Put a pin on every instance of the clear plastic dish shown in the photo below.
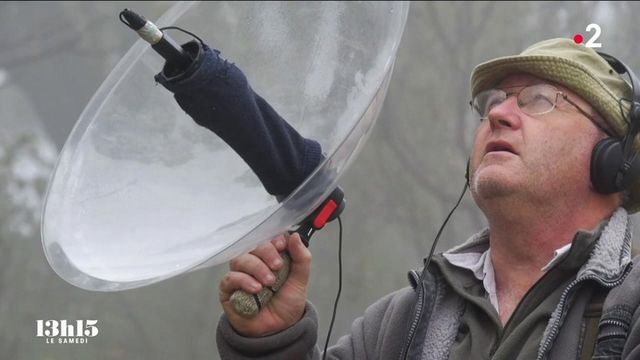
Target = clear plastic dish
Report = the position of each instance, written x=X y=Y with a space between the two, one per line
x=142 y=193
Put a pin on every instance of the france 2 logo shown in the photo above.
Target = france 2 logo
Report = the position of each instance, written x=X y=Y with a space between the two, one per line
x=591 y=43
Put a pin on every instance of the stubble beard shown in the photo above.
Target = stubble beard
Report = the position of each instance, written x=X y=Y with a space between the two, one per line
x=489 y=187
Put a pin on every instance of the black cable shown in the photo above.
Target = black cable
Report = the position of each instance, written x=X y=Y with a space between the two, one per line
x=435 y=242
x=183 y=30
x=121 y=16
x=335 y=304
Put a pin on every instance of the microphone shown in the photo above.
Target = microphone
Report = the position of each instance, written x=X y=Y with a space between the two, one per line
x=216 y=95
x=160 y=42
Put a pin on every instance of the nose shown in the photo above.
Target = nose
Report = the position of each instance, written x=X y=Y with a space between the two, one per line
x=505 y=115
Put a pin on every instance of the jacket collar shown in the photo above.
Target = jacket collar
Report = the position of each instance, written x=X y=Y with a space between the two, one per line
x=612 y=252
x=608 y=259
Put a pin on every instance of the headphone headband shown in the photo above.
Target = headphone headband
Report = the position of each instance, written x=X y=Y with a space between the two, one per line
x=614 y=164
x=634 y=114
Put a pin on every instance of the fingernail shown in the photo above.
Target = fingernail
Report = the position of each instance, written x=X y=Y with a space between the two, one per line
x=277 y=262
x=270 y=278
x=255 y=287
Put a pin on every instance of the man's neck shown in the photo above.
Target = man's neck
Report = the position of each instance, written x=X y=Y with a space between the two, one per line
x=523 y=241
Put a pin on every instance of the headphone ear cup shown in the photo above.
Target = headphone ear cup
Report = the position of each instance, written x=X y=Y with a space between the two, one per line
x=606 y=162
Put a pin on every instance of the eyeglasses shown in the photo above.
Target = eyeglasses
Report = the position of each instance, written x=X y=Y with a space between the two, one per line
x=532 y=100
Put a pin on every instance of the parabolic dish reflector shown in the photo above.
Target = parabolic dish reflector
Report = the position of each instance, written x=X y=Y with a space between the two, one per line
x=142 y=193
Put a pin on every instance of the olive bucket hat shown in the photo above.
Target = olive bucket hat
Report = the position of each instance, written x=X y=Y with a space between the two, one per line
x=578 y=68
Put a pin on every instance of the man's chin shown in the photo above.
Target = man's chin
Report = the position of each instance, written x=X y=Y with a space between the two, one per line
x=488 y=187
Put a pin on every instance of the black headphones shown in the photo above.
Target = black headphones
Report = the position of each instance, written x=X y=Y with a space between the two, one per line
x=615 y=166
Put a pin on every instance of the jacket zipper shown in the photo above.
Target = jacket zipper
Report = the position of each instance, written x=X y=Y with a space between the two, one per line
x=416 y=319
x=563 y=298
x=614 y=322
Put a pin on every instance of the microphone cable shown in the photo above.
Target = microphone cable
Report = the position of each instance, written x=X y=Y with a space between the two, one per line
x=426 y=262
x=335 y=304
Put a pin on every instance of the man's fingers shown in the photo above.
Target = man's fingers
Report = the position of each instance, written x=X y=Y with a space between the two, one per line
x=280 y=242
x=234 y=280
x=269 y=254
x=300 y=259
x=252 y=271
x=255 y=267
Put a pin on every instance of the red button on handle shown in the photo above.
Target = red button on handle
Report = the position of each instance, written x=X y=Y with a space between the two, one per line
x=325 y=214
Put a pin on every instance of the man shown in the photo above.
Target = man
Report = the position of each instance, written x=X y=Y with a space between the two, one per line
x=523 y=287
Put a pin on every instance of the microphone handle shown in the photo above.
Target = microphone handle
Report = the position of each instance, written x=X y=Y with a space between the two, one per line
x=173 y=53
x=249 y=305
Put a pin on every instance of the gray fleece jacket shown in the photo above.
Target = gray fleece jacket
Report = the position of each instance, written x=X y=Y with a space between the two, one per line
x=446 y=314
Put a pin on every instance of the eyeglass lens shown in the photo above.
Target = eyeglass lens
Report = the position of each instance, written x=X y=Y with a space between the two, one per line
x=532 y=100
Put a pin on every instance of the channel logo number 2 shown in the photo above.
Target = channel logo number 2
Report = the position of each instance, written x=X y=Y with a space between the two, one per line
x=591 y=43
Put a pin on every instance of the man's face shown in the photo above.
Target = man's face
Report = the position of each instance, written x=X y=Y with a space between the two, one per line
x=540 y=158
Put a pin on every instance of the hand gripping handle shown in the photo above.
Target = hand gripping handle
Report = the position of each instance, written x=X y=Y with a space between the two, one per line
x=249 y=305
